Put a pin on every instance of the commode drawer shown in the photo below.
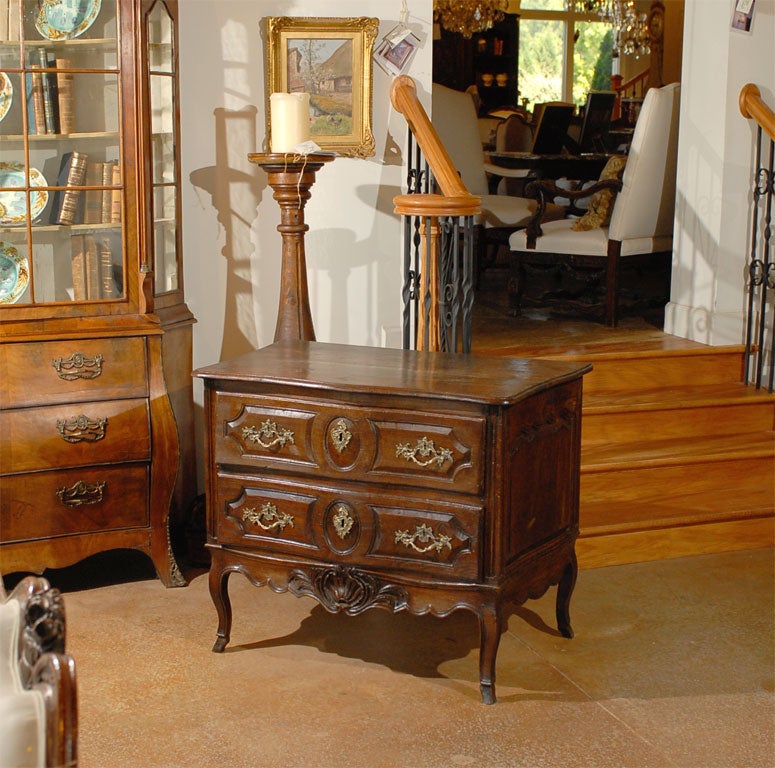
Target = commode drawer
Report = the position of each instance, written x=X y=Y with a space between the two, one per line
x=72 y=371
x=386 y=531
x=422 y=449
x=74 y=435
x=61 y=503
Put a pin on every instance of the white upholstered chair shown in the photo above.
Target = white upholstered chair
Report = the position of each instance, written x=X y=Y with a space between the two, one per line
x=641 y=223
x=38 y=711
x=454 y=118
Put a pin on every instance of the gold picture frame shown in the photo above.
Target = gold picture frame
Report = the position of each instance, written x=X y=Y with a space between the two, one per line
x=330 y=58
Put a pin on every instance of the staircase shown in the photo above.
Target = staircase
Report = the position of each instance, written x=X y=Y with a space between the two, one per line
x=678 y=456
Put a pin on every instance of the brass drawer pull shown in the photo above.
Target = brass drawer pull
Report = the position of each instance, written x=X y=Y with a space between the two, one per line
x=82 y=429
x=268 y=512
x=427 y=452
x=269 y=435
x=81 y=493
x=425 y=535
x=78 y=366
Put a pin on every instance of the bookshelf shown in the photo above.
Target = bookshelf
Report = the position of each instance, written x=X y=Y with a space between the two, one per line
x=488 y=60
x=93 y=319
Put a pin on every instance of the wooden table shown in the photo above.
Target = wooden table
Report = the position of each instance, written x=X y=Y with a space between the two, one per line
x=584 y=167
x=419 y=481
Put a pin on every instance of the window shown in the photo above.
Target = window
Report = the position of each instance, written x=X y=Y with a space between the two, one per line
x=563 y=54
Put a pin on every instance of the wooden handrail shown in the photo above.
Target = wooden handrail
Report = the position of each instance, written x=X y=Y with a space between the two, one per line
x=752 y=106
x=618 y=85
x=403 y=96
x=621 y=88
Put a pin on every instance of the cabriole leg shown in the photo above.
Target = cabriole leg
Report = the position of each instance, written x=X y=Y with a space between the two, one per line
x=564 y=592
x=219 y=592
x=490 y=635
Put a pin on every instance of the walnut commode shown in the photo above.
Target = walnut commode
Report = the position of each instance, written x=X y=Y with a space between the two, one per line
x=409 y=480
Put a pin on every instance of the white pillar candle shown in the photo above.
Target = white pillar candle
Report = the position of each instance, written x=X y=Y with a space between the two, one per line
x=289 y=114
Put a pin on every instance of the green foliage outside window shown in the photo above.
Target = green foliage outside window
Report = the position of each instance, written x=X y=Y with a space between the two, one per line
x=592 y=60
x=541 y=44
x=542 y=56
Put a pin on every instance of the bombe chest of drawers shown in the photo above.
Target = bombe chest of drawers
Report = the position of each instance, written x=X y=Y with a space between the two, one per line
x=417 y=481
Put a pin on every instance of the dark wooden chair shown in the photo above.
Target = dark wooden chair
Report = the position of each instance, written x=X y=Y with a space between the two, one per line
x=38 y=701
x=583 y=268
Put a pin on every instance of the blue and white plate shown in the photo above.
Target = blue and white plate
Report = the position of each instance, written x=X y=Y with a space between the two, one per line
x=6 y=94
x=66 y=19
x=13 y=202
x=14 y=274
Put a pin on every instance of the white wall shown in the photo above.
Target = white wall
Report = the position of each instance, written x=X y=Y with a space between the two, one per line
x=231 y=246
x=715 y=168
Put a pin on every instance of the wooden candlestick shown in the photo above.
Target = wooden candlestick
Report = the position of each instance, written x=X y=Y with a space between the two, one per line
x=291 y=176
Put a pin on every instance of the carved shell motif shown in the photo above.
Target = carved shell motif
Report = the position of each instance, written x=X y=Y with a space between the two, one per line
x=346 y=589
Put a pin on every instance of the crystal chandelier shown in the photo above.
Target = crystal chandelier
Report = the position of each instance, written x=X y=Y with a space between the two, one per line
x=631 y=32
x=468 y=16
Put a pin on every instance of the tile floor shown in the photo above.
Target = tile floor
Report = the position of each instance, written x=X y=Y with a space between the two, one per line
x=672 y=666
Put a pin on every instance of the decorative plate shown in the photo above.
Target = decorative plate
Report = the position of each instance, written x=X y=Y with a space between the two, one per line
x=13 y=202
x=6 y=94
x=66 y=19
x=14 y=274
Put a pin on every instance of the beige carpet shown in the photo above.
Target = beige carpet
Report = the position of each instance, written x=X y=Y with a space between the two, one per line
x=672 y=666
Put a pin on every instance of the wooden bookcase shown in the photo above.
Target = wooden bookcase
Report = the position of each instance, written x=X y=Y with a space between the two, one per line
x=460 y=62
x=96 y=407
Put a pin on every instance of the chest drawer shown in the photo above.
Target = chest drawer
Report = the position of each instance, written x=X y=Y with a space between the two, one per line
x=110 y=431
x=353 y=527
x=415 y=448
x=72 y=371
x=66 y=502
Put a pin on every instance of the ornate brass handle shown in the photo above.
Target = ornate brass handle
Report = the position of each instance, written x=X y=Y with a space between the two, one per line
x=268 y=435
x=268 y=513
x=82 y=429
x=427 y=452
x=78 y=366
x=425 y=535
x=81 y=493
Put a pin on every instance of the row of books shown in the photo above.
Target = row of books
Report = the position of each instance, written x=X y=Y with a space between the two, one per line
x=87 y=206
x=50 y=95
x=94 y=275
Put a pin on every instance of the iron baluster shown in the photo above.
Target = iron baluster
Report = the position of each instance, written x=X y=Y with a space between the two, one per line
x=761 y=273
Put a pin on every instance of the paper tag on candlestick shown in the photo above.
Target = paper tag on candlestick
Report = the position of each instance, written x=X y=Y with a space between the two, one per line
x=306 y=148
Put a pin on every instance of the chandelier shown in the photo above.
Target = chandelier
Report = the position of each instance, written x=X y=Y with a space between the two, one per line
x=468 y=16
x=631 y=32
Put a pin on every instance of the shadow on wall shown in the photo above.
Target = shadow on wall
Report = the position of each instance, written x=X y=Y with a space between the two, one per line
x=235 y=188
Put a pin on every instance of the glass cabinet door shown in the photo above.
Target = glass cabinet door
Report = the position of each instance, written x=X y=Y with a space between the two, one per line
x=61 y=193
x=162 y=93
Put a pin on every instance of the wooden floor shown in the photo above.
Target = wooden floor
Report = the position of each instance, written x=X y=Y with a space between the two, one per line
x=538 y=332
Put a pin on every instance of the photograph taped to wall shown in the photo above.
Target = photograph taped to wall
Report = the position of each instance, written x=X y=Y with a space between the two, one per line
x=395 y=51
x=329 y=58
x=743 y=15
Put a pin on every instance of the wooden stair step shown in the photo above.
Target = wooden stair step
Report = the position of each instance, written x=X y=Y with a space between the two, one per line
x=723 y=481
x=625 y=366
x=637 y=372
x=685 y=396
x=605 y=457
x=681 y=508
x=597 y=551
x=671 y=412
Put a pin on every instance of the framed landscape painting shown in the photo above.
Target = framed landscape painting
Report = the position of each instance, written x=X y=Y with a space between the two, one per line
x=329 y=58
